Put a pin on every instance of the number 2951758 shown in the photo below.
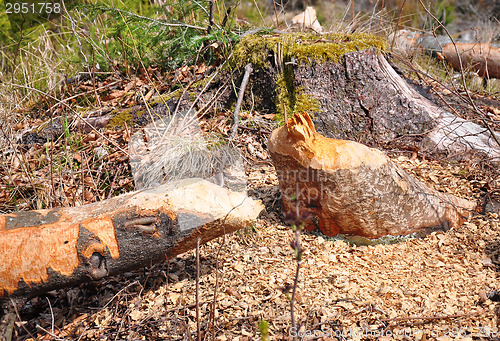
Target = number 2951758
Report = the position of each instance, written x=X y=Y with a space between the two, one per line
x=33 y=8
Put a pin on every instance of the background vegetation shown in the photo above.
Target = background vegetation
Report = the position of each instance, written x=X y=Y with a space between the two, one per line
x=43 y=56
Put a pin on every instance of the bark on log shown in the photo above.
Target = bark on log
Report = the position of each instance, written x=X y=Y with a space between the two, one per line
x=365 y=100
x=353 y=189
x=46 y=249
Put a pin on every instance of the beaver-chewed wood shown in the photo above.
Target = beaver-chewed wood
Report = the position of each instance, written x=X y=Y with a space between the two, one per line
x=46 y=249
x=353 y=189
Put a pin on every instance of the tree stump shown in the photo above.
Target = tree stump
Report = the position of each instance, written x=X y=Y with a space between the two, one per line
x=353 y=189
x=353 y=93
x=365 y=100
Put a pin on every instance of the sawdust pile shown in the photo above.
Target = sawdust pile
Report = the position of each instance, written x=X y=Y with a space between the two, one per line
x=438 y=287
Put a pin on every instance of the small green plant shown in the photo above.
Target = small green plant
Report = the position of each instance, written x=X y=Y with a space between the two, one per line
x=171 y=36
x=264 y=330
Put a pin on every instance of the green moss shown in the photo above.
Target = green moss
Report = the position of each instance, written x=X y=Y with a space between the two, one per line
x=201 y=82
x=293 y=98
x=164 y=98
x=119 y=120
x=304 y=47
x=294 y=48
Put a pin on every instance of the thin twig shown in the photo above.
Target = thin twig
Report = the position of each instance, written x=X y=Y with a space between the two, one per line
x=298 y=258
x=380 y=16
x=163 y=23
x=212 y=317
x=295 y=281
x=284 y=110
x=397 y=24
x=14 y=305
x=51 y=315
x=210 y=16
x=198 y=329
x=212 y=77
x=51 y=334
x=276 y=14
x=212 y=311
x=9 y=329
x=352 y=10
x=244 y=82
x=51 y=164
x=119 y=292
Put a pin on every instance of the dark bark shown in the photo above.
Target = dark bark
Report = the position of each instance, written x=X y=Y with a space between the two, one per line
x=46 y=249
x=360 y=102
x=363 y=99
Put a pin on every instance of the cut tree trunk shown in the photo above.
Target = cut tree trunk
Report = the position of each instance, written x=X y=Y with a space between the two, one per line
x=46 y=249
x=359 y=96
x=365 y=100
x=353 y=189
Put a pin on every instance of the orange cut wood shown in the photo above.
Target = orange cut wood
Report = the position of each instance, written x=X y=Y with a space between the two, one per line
x=46 y=249
x=353 y=189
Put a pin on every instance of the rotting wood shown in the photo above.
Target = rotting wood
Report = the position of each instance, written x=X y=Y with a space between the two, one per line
x=46 y=249
x=353 y=189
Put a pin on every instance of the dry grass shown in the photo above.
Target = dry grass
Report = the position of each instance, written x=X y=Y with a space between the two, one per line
x=176 y=148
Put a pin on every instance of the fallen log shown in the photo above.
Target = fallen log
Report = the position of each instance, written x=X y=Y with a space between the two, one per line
x=352 y=189
x=46 y=249
x=481 y=57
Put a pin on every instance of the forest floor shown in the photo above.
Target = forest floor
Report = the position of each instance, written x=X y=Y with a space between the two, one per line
x=444 y=286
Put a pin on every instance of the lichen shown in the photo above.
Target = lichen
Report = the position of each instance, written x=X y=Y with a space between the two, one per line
x=305 y=47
